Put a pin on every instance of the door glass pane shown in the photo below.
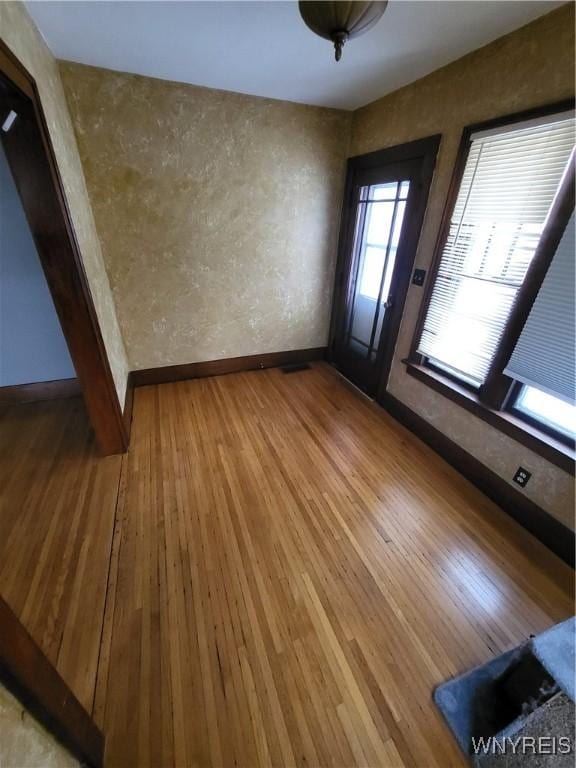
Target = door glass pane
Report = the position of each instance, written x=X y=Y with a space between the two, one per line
x=378 y=226
x=372 y=271
x=378 y=223
x=364 y=310
x=388 y=273
x=404 y=187
x=384 y=191
x=393 y=248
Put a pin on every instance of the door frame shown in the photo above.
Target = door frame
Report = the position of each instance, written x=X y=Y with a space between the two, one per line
x=33 y=165
x=30 y=676
x=425 y=150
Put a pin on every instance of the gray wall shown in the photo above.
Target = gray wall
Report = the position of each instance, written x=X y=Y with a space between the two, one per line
x=32 y=346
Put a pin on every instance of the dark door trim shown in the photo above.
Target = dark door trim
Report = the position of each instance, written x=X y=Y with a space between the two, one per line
x=28 y=674
x=424 y=150
x=33 y=165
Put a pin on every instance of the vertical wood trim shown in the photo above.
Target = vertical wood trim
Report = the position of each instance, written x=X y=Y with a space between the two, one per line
x=128 y=404
x=342 y=262
x=426 y=151
x=453 y=190
x=28 y=674
x=33 y=165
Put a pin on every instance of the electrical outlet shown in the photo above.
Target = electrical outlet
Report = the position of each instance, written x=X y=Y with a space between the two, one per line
x=418 y=277
x=522 y=476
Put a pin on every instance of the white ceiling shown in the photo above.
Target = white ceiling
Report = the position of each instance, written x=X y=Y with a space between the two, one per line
x=264 y=48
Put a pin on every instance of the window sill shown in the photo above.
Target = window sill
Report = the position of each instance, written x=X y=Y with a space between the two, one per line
x=550 y=449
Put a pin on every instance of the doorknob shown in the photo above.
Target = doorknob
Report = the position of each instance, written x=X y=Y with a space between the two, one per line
x=388 y=304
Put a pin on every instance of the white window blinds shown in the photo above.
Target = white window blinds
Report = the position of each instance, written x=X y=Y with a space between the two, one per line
x=508 y=185
x=544 y=354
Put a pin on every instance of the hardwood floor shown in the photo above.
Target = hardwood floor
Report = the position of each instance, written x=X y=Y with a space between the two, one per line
x=291 y=575
x=57 y=506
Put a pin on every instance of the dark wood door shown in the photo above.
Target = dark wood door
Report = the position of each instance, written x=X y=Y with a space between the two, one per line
x=382 y=219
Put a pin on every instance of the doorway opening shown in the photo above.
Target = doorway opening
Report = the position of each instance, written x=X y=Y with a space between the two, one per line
x=34 y=359
x=28 y=150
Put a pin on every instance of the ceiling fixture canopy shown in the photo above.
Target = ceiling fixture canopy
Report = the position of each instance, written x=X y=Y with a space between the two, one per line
x=340 y=21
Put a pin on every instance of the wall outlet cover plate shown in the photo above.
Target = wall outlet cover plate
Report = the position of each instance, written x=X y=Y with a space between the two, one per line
x=522 y=476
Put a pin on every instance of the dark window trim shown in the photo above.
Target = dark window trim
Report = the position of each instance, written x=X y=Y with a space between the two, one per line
x=461 y=158
x=532 y=437
x=487 y=401
x=451 y=377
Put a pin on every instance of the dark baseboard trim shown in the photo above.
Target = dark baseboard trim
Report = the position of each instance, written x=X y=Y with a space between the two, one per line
x=170 y=373
x=128 y=404
x=553 y=534
x=34 y=681
x=41 y=390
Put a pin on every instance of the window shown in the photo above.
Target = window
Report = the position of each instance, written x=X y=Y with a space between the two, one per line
x=509 y=182
x=555 y=415
x=497 y=330
x=543 y=358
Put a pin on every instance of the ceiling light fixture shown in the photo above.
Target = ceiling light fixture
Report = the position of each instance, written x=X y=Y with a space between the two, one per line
x=340 y=21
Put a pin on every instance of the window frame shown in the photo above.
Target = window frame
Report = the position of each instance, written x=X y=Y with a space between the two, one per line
x=493 y=400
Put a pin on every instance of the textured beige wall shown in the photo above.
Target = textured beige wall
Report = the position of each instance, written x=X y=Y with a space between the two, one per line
x=23 y=741
x=527 y=68
x=19 y=33
x=218 y=213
